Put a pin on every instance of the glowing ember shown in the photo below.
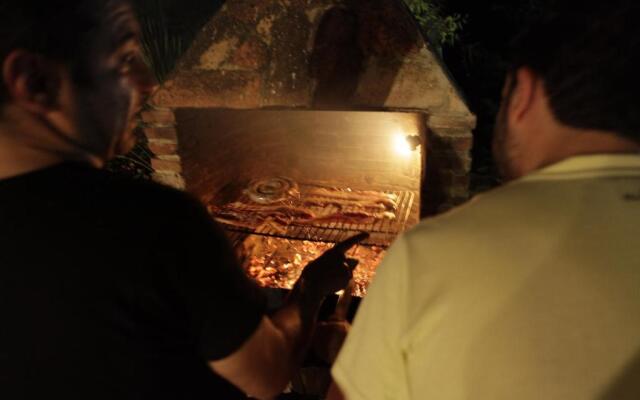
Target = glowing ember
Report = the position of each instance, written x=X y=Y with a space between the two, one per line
x=276 y=262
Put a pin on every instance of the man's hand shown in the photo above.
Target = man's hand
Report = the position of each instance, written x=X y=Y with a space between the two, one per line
x=328 y=339
x=332 y=270
x=265 y=363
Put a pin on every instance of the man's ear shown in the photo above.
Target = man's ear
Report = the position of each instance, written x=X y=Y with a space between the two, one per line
x=523 y=92
x=32 y=81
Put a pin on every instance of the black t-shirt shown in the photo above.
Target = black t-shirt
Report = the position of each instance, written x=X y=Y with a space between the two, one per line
x=115 y=289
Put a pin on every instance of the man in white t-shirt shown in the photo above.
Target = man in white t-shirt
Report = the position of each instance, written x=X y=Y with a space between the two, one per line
x=531 y=291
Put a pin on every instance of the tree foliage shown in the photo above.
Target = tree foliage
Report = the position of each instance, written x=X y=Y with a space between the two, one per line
x=168 y=27
x=161 y=47
x=441 y=28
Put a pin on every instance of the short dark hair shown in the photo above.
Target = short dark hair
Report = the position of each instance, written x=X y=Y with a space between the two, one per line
x=588 y=55
x=62 y=30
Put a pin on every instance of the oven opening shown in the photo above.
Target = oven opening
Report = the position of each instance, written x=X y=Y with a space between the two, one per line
x=286 y=185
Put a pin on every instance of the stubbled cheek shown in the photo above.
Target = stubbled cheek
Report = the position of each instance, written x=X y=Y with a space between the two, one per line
x=121 y=97
x=125 y=144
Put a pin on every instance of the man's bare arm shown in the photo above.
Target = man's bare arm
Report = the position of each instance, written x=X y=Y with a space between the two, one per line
x=264 y=364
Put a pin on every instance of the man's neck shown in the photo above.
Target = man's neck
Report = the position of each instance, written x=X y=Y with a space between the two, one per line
x=17 y=160
x=582 y=142
x=26 y=146
x=592 y=142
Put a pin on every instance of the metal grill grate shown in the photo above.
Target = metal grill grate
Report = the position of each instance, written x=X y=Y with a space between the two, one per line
x=383 y=231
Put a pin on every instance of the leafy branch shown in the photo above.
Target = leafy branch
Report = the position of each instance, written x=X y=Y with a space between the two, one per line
x=442 y=30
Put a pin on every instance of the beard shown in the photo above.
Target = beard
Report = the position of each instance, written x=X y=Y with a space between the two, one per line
x=105 y=120
x=504 y=145
x=499 y=143
x=125 y=142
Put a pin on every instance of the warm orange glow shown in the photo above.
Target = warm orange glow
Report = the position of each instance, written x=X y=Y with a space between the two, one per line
x=401 y=145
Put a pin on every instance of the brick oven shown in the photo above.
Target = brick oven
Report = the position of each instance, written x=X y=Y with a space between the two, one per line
x=337 y=111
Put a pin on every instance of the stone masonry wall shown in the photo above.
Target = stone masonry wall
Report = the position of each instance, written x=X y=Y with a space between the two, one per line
x=162 y=135
x=448 y=165
x=344 y=149
x=445 y=182
x=324 y=54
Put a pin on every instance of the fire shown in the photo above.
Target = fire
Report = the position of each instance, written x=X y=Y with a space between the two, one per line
x=276 y=262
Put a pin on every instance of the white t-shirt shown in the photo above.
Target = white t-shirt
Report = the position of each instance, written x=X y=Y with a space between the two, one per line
x=531 y=291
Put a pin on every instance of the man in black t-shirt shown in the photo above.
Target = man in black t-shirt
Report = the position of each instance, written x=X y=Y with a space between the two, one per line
x=113 y=289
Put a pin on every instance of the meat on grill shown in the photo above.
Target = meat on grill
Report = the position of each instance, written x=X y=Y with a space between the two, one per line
x=388 y=200
x=315 y=205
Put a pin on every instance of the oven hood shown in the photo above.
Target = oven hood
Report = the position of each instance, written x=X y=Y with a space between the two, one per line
x=320 y=54
x=330 y=55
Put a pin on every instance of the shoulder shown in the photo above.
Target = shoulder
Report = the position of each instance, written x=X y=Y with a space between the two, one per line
x=487 y=211
x=127 y=201
x=479 y=231
x=145 y=194
x=491 y=234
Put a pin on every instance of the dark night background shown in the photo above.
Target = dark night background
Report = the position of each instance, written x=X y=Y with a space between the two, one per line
x=471 y=36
